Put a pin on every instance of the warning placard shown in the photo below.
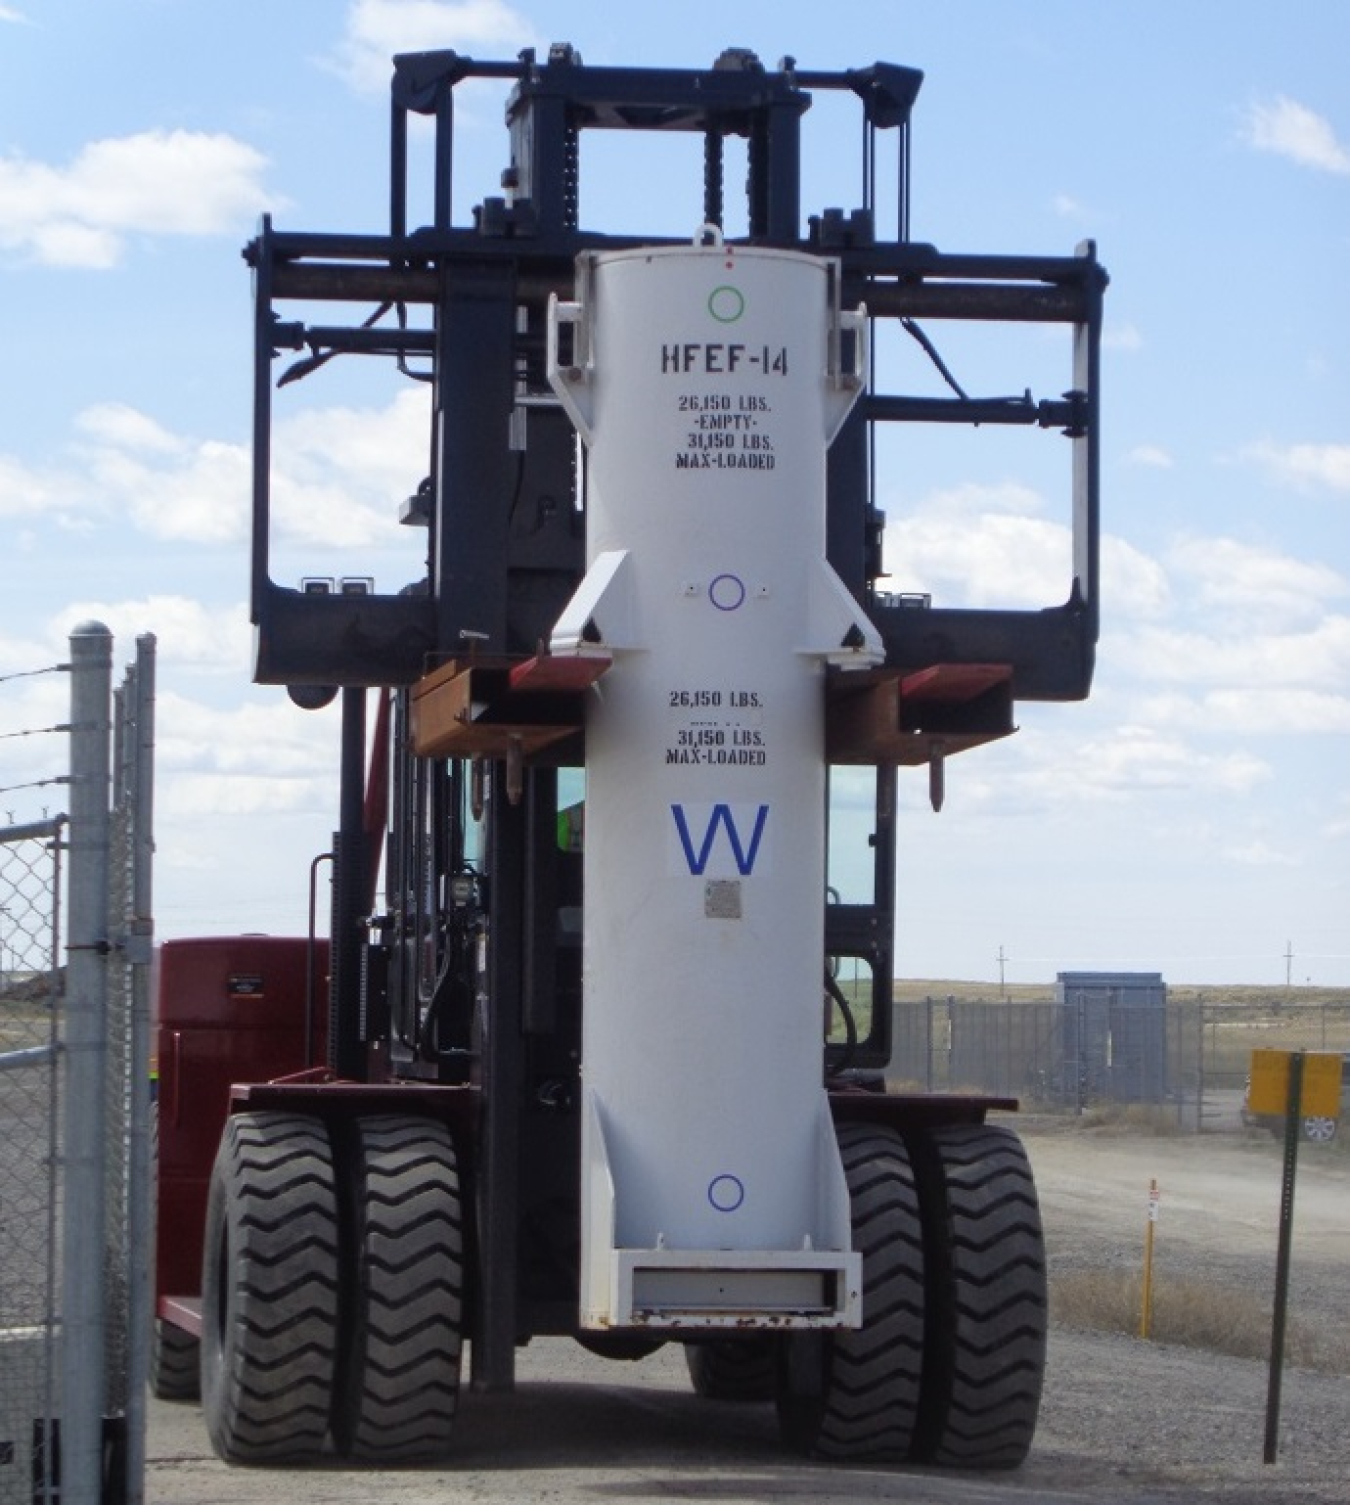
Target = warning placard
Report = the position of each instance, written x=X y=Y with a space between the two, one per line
x=1269 y=1091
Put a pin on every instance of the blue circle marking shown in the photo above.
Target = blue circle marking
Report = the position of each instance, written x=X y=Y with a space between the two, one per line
x=727 y=592
x=726 y=1192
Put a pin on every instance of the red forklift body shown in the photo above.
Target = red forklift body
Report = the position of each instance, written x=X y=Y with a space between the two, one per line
x=227 y=1009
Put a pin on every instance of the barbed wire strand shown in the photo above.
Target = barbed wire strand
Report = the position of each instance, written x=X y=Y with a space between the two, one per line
x=37 y=731
x=37 y=784
x=31 y=673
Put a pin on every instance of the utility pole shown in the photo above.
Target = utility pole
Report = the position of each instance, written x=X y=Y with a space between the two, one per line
x=1288 y=965
x=1002 y=962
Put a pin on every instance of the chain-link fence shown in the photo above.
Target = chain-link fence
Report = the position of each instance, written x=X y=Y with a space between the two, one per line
x=1068 y=1055
x=74 y=1089
x=128 y=1212
x=30 y=1187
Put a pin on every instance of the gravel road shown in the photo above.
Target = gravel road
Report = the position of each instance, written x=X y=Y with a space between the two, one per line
x=1122 y=1420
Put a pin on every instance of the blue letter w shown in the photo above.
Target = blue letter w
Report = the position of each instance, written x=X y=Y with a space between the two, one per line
x=721 y=816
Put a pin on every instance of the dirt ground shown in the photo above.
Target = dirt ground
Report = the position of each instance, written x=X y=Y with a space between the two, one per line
x=1218 y=1211
x=1122 y=1420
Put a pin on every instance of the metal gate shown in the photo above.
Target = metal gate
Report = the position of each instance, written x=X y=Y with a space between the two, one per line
x=74 y=1104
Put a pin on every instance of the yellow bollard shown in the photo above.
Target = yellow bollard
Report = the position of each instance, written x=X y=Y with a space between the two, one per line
x=1146 y=1312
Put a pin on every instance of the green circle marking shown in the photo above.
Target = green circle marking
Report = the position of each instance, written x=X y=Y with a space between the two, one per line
x=726 y=304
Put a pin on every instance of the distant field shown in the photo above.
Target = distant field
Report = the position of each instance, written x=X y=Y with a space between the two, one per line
x=1247 y=996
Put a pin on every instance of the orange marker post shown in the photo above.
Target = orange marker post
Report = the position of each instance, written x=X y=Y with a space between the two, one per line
x=1146 y=1304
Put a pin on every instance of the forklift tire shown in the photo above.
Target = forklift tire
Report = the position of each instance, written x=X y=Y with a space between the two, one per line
x=175 y=1363
x=398 y=1375
x=734 y=1369
x=270 y=1290
x=984 y=1360
x=175 y=1356
x=853 y=1395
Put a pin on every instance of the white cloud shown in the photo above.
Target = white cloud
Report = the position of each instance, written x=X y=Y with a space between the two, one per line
x=1134 y=759
x=1261 y=712
x=338 y=476
x=187 y=633
x=1150 y=456
x=1133 y=584
x=986 y=546
x=1050 y=774
x=1267 y=654
x=123 y=464
x=1289 y=129
x=116 y=424
x=1257 y=583
x=264 y=757
x=29 y=493
x=8 y=13
x=965 y=560
x=1251 y=661
x=1258 y=853
x=1321 y=467
x=194 y=796
x=173 y=488
x=972 y=499
x=377 y=29
x=265 y=738
x=154 y=183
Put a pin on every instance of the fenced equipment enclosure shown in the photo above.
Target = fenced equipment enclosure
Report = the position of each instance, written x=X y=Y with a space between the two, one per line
x=1080 y=1050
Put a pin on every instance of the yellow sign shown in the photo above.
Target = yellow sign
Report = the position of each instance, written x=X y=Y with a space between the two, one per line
x=1269 y=1091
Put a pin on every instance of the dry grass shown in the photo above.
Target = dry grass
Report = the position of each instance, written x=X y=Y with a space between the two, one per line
x=1194 y=1314
x=1157 y=1120
x=23 y=1024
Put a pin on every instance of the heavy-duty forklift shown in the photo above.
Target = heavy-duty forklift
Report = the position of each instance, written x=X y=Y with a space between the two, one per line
x=608 y=1058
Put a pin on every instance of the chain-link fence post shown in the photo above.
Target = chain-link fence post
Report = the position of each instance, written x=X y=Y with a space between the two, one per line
x=85 y=1049
x=133 y=805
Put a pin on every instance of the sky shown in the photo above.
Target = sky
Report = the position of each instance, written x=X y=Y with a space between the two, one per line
x=1192 y=817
